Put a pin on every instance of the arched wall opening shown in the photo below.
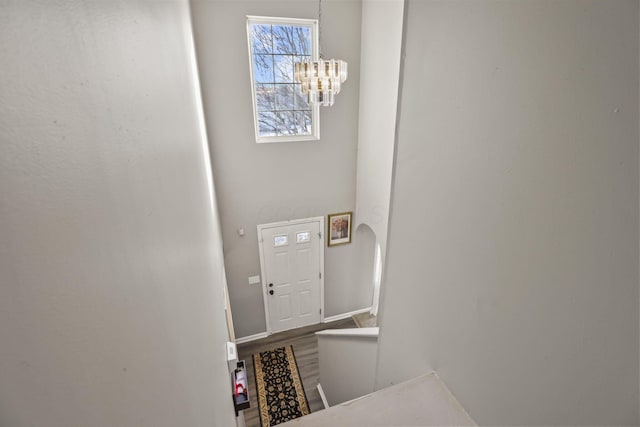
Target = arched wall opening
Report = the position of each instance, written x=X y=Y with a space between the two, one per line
x=367 y=250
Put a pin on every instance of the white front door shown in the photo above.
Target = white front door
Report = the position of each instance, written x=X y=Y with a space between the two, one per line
x=291 y=257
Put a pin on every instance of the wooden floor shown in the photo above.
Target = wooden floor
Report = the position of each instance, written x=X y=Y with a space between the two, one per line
x=305 y=347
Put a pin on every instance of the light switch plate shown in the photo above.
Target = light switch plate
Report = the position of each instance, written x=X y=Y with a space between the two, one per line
x=232 y=352
x=254 y=280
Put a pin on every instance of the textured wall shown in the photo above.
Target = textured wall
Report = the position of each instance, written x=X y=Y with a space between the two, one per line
x=111 y=283
x=512 y=263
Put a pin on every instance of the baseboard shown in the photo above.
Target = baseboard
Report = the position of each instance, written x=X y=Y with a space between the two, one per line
x=251 y=338
x=345 y=315
x=322 y=396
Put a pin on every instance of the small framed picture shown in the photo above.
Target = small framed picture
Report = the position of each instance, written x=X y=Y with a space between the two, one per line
x=339 y=229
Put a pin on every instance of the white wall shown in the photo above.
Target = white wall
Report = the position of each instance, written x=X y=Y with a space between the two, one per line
x=111 y=301
x=347 y=363
x=512 y=264
x=264 y=183
x=380 y=60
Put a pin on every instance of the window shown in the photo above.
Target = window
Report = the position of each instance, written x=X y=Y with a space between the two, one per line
x=281 y=111
x=303 y=237
x=282 y=240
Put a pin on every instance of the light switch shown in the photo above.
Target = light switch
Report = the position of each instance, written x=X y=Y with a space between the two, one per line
x=254 y=280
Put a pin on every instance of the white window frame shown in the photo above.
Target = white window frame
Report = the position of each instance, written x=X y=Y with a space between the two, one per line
x=315 y=109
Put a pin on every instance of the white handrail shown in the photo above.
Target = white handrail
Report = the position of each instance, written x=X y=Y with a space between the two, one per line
x=352 y=332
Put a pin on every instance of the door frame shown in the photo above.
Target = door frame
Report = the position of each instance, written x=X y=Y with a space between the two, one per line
x=260 y=227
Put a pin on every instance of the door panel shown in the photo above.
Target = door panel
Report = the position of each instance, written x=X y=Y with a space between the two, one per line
x=285 y=309
x=291 y=263
x=306 y=304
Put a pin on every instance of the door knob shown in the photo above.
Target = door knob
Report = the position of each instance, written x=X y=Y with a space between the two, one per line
x=271 y=292
x=271 y=285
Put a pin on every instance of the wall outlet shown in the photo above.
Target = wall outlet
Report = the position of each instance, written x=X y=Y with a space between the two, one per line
x=253 y=280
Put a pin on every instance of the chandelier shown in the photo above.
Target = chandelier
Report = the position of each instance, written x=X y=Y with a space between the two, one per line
x=320 y=80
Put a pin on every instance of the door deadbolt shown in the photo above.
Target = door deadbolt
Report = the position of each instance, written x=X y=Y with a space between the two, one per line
x=271 y=285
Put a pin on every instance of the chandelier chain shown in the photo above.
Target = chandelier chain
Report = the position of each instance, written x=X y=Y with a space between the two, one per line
x=320 y=28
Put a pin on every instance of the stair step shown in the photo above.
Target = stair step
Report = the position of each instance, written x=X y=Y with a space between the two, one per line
x=422 y=401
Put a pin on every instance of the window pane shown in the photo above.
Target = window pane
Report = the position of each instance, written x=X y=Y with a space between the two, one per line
x=267 y=124
x=263 y=68
x=283 y=68
x=282 y=240
x=302 y=40
x=300 y=100
x=262 y=42
x=303 y=237
x=286 y=123
x=306 y=121
x=283 y=39
x=265 y=97
x=303 y=125
x=284 y=97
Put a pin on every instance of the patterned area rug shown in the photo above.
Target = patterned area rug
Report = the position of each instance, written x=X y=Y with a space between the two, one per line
x=281 y=396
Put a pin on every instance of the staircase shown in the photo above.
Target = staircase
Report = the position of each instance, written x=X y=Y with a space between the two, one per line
x=346 y=372
x=422 y=401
